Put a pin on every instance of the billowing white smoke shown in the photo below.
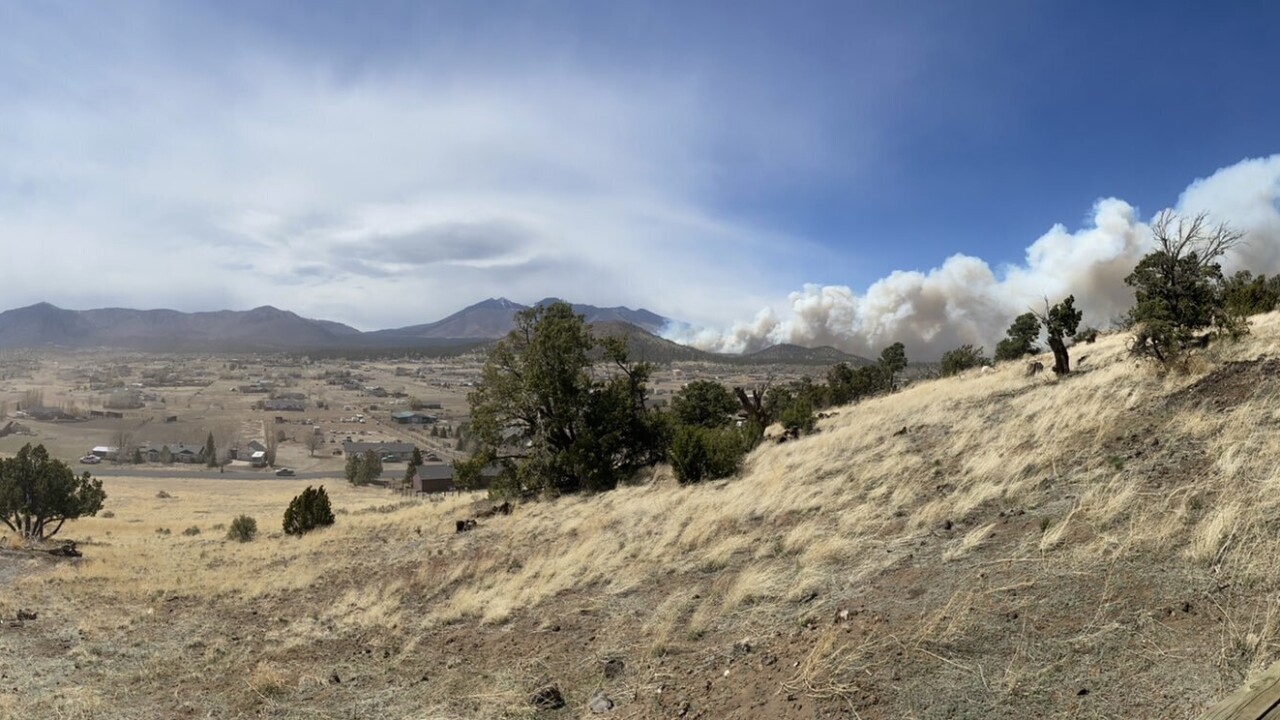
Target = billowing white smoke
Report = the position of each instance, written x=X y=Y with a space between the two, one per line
x=965 y=301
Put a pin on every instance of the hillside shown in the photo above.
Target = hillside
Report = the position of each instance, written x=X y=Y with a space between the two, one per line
x=988 y=546
x=645 y=346
x=788 y=354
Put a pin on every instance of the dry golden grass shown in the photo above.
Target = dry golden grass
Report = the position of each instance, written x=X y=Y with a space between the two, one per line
x=825 y=513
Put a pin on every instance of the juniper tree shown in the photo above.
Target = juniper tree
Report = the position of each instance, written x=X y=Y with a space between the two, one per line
x=1060 y=322
x=893 y=360
x=308 y=511
x=1179 y=288
x=962 y=358
x=39 y=494
x=1020 y=338
x=547 y=421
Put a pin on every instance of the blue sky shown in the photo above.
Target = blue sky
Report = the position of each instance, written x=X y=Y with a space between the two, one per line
x=725 y=163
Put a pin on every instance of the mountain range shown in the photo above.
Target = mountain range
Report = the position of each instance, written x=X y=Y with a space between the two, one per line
x=270 y=328
x=495 y=317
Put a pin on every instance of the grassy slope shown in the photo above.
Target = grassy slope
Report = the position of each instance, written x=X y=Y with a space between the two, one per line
x=1100 y=546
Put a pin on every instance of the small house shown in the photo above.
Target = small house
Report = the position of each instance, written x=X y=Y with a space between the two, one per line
x=413 y=417
x=434 y=478
x=397 y=451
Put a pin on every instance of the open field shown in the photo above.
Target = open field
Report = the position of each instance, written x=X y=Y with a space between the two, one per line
x=990 y=546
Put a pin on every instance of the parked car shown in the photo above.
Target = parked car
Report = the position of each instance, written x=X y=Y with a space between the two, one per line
x=284 y=472
x=90 y=460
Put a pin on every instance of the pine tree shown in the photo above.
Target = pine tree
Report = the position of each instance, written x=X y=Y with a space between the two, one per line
x=412 y=469
x=210 y=452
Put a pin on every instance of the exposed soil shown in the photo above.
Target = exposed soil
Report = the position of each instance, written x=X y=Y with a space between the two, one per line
x=1230 y=385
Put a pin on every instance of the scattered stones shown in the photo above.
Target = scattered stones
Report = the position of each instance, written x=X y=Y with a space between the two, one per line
x=25 y=615
x=600 y=703
x=547 y=698
x=613 y=668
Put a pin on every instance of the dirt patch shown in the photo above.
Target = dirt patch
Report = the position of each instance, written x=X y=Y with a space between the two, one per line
x=1230 y=385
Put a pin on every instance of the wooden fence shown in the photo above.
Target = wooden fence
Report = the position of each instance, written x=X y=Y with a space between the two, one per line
x=1259 y=699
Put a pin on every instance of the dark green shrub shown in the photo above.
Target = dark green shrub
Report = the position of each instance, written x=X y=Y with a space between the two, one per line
x=243 y=529
x=798 y=418
x=1087 y=335
x=1020 y=338
x=704 y=402
x=699 y=453
x=193 y=530
x=962 y=358
x=308 y=511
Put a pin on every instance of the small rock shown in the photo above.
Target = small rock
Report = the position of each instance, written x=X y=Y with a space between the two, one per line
x=613 y=668
x=334 y=679
x=741 y=648
x=768 y=660
x=1083 y=692
x=547 y=698
x=600 y=703
x=27 y=615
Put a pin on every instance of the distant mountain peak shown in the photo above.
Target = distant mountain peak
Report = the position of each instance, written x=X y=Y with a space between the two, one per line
x=498 y=303
x=494 y=318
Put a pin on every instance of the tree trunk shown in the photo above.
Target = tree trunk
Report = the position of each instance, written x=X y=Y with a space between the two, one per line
x=752 y=406
x=1061 y=361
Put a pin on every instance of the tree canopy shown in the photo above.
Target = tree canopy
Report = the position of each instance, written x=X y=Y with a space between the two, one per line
x=39 y=494
x=705 y=403
x=962 y=358
x=1179 y=287
x=1020 y=338
x=548 y=422
x=893 y=360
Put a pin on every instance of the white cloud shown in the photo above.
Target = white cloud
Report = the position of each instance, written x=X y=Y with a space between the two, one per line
x=259 y=179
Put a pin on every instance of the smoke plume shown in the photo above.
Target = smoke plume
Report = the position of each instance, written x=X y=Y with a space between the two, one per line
x=965 y=301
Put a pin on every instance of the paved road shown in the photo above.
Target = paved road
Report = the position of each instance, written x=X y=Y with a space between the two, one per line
x=107 y=471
